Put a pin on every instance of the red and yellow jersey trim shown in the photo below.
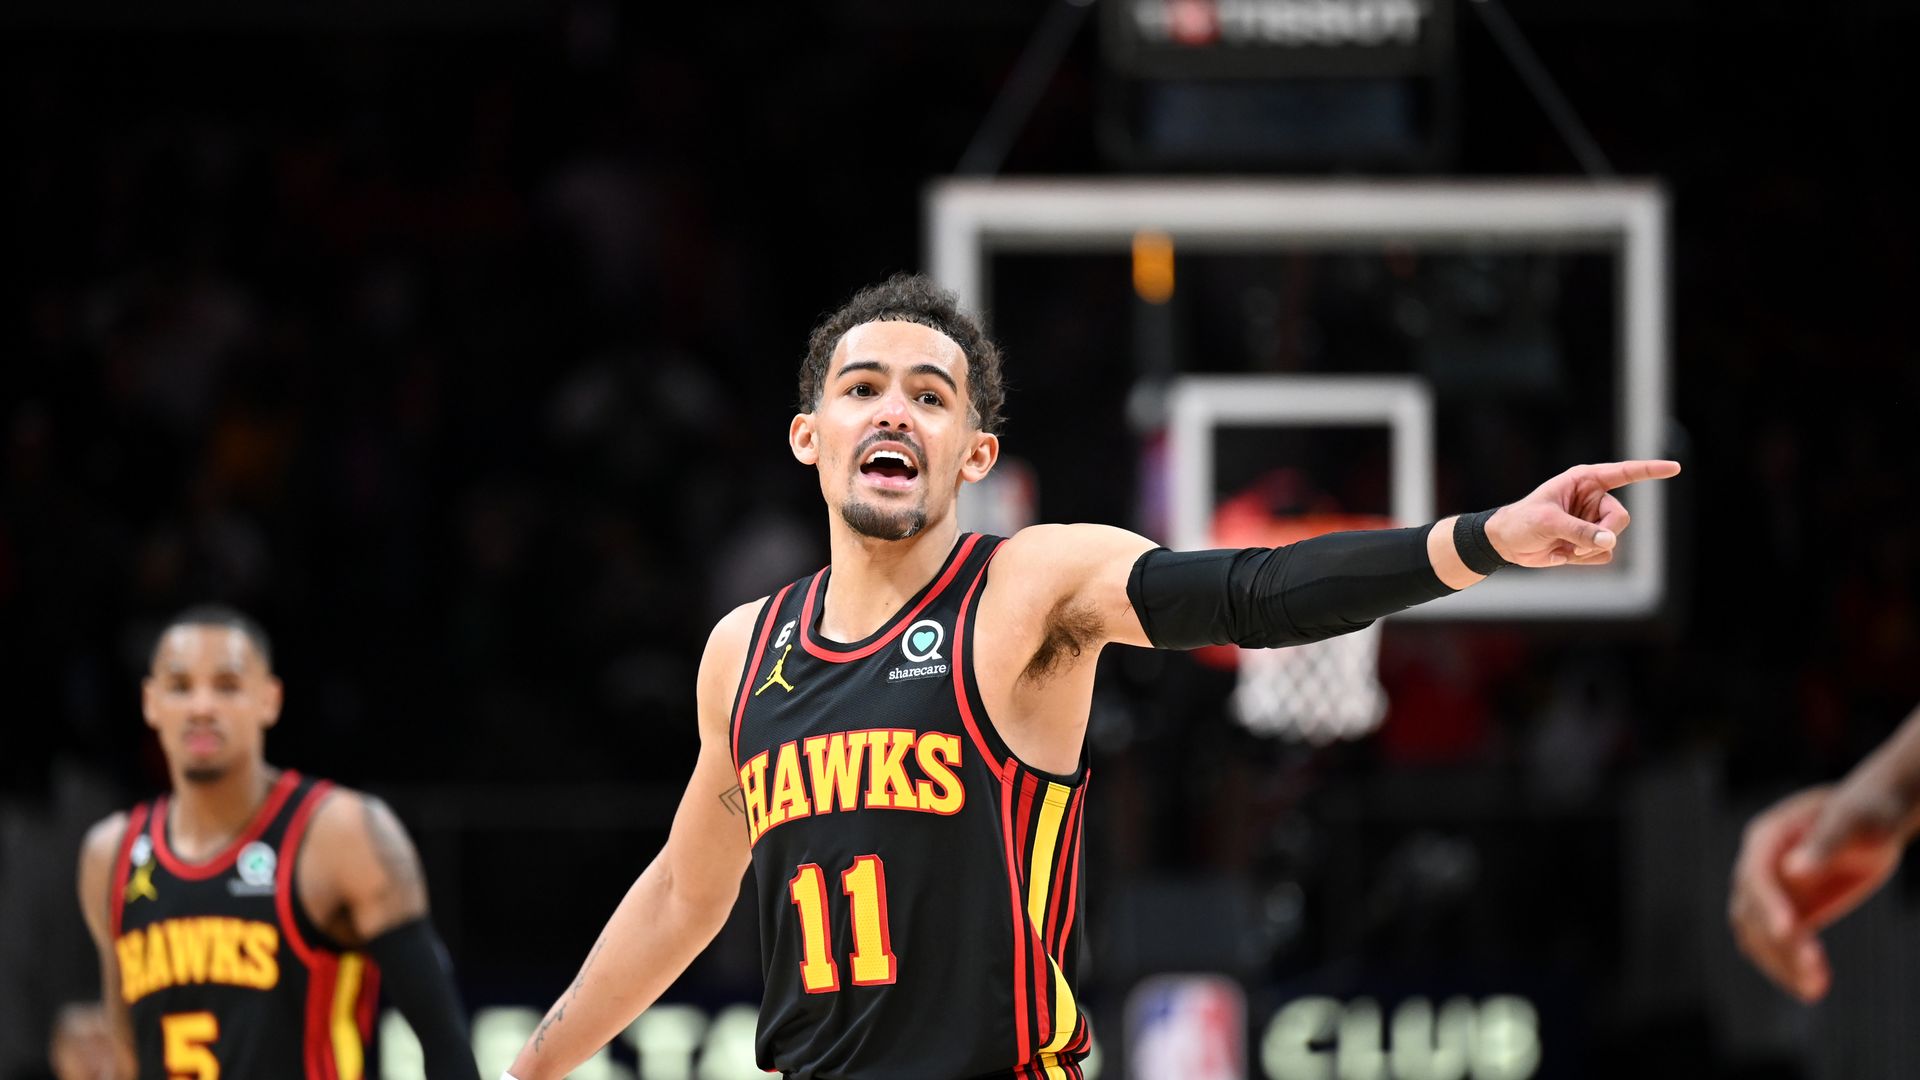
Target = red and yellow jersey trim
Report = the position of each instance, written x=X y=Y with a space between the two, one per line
x=1040 y=831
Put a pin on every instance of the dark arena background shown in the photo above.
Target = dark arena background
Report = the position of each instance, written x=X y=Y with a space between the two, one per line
x=457 y=340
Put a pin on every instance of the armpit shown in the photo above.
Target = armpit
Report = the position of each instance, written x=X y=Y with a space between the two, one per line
x=1070 y=628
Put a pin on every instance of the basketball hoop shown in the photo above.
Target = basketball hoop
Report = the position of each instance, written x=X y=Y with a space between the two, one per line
x=1318 y=693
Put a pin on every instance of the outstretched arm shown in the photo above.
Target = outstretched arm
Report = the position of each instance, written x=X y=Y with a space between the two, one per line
x=95 y=1042
x=1811 y=858
x=1263 y=597
x=359 y=856
x=678 y=903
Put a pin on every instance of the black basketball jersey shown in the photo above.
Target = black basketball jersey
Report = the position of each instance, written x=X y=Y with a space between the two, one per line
x=918 y=885
x=223 y=972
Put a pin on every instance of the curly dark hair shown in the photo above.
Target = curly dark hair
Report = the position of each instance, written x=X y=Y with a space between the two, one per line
x=911 y=298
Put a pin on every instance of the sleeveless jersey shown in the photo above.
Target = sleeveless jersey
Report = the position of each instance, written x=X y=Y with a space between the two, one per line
x=222 y=970
x=918 y=885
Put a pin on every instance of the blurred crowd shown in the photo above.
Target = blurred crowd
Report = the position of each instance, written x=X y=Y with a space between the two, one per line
x=463 y=360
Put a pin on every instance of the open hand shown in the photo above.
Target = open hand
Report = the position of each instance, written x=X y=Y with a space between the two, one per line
x=1804 y=863
x=1572 y=519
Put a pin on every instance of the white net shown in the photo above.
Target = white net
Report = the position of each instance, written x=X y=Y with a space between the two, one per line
x=1318 y=693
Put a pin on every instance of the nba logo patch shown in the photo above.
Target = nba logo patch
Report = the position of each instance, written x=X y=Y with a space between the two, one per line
x=1190 y=1026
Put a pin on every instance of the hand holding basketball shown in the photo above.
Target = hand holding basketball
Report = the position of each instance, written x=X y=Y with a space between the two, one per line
x=1572 y=519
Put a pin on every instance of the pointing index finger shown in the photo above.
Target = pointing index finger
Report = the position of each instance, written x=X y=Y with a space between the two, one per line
x=1615 y=474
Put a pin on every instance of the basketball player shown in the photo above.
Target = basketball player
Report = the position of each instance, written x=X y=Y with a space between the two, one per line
x=1817 y=854
x=902 y=732
x=247 y=919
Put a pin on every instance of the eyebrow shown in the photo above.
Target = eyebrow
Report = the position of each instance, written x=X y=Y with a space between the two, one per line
x=917 y=369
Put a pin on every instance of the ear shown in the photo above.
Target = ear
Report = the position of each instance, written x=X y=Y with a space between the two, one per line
x=149 y=690
x=980 y=458
x=272 y=696
x=803 y=440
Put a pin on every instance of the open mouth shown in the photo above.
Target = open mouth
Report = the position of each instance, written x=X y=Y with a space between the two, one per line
x=892 y=465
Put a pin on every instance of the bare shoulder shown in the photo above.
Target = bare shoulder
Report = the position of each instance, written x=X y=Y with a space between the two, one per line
x=354 y=822
x=725 y=656
x=341 y=813
x=730 y=635
x=102 y=842
x=1076 y=565
x=358 y=853
x=356 y=839
x=1071 y=552
x=1069 y=584
x=98 y=850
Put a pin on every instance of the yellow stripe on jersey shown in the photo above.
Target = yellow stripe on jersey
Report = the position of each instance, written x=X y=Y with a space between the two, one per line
x=1053 y=807
x=349 y=1056
x=1053 y=810
x=1066 y=1015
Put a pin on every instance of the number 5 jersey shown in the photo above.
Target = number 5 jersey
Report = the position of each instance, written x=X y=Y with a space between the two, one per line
x=223 y=972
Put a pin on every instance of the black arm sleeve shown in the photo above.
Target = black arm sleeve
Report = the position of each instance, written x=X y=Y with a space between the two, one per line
x=1263 y=598
x=419 y=981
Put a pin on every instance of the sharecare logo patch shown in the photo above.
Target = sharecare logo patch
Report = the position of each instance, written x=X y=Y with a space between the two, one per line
x=921 y=647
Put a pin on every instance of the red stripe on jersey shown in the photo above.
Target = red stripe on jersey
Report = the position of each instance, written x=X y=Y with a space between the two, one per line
x=1078 y=1041
x=1069 y=841
x=283 y=898
x=960 y=678
x=1042 y=989
x=323 y=970
x=1020 y=831
x=1024 y=1042
x=759 y=649
x=1073 y=891
x=117 y=887
x=220 y=863
x=1028 y=785
x=842 y=656
x=369 y=997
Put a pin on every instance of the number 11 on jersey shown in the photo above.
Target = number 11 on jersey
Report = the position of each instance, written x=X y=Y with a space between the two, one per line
x=865 y=886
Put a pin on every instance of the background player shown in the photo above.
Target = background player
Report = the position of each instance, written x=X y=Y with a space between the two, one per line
x=1817 y=854
x=949 y=955
x=247 y=919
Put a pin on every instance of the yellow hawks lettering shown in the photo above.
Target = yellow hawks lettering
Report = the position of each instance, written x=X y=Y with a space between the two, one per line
x=203 y=949
x=852 y=770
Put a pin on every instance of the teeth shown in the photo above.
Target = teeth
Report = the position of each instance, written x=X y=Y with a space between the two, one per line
x=879 y=455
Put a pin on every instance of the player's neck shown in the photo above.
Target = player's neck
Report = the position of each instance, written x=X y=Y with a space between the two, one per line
x=203 y=817
x=872 y=579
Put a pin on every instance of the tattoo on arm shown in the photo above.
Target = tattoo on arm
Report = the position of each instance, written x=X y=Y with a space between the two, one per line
x=394 y=852
x=735 y=800
x=559 y=1012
